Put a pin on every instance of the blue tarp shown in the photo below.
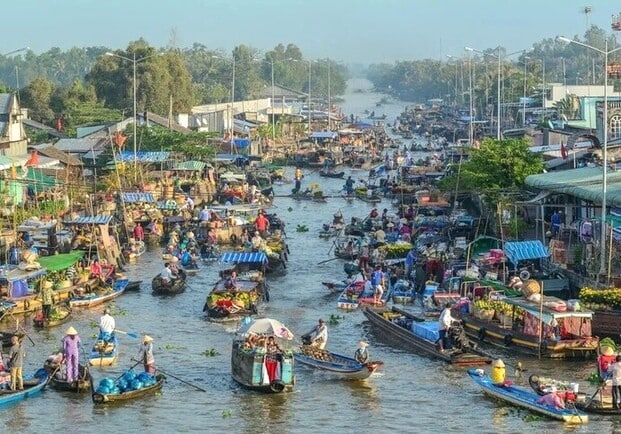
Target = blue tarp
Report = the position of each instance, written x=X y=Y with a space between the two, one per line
x=238 y=257
x=143 y=156
x=92 y=220
x=323 y=135
x=242 y=143
x=517 y=251
x=138 y=197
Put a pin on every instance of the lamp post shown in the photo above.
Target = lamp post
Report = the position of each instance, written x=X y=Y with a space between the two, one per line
x=605 y=52
x=310 y=113
x=134 y=84
x=19 y=50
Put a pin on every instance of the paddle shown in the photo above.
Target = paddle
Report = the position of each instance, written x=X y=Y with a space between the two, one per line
x=132 y=335
x=179 y=379
x=131 y=367
x=599 y=389
x=327 y=260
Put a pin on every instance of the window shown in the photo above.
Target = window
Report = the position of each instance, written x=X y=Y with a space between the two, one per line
x=615 y=127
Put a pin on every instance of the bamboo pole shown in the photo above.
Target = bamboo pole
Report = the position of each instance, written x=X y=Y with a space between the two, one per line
x=540 y=320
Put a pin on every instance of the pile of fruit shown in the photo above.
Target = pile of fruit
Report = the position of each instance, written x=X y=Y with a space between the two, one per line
x=241 y=299
x=316 y=353
x=396 y=250
x=57 y=313
x=128 y=382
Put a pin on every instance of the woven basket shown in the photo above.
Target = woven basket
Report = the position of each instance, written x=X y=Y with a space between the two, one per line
x=531 y=287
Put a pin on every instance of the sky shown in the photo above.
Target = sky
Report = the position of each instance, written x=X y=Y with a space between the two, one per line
x=352 y=31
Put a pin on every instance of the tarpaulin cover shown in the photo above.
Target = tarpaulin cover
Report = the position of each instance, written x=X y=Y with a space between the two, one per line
x=237 y=257
x=92 y=220
x=138 y=197
x=517 y=251
x=61 y=261
x=143 y=156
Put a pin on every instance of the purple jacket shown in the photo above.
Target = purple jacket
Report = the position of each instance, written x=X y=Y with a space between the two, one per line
x=71 y=346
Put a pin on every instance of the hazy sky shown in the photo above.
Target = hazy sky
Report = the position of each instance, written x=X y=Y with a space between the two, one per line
x=365 y=31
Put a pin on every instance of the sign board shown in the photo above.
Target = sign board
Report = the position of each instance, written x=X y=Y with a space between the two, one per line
x=614 y=71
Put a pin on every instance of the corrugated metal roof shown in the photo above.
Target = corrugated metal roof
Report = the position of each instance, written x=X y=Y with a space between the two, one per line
x=143 y=156
x=7 y=162
x=190 y=165
x=138 y=197
x=517 y=251
x=80 y=146
x=5 y=102
x=92 y=220
x=52 y=152
x=238 y=257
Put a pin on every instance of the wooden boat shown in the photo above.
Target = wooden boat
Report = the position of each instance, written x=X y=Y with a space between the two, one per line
x=253 y=367
x=33 y=385
x=109 y=398
x=576 y=342
x=224 y=305
x=57 y=382
x=331 y=174
x=343 y=367
x=97 y=298
x=133 y=252
x=191 y=269
x=314 y=197
x=104 y=353
x=600 y=402
x=403 y=293
x=525 y=399
x=158 y=287
x=421 y=336
x=133 y=285
x=59 y=314
x=362 y=195
x=6 y=308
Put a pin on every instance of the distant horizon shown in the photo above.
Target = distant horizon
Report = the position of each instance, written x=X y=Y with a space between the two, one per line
x=354 y=32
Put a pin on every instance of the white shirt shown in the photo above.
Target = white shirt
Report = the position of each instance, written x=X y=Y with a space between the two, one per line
x=445 y=319
x=107 y=324
x=321 y=333
x=615 y=370
x=166 y=274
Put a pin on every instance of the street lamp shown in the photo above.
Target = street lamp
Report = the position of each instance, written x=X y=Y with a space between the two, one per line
x=605 y=52
x=134 y=61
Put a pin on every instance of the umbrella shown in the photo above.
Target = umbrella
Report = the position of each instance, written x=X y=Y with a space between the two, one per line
x=266 y=326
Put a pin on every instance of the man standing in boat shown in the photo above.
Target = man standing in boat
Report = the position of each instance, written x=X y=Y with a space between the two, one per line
x=106 y=325
x=16 y=361
x=377 y=280
x=298 y=180
x=319 y=335
x=47 y=298
x=444 y=324
x=138 y=232
x=349 y=186
x=362 y=354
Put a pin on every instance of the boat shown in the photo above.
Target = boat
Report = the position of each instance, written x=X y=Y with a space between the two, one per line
x=343 y=367
x=158 y=287
x=421 y=337
x=403 y=292
x=57 y=382
x=104 y=353
x=133 y=285
x=33 y=385
x=516 y=321
x=95 y=298
x=361 y=194
x=112 y=398
x=331 y=174
x=314 y=197
x=253 y=366
x=134 y=250
x=191 y=269
x=525 y=399
x=59 y=314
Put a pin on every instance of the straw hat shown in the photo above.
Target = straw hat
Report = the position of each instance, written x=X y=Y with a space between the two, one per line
x=498 y=363
x=190 y=235
x=71 y=331
x=606 y=351
x=362 y=344
x=174 y=259
x=147 y=338
x=47 y=284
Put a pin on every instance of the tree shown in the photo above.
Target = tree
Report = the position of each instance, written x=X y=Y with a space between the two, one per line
x=37 y=97
x=497 y=167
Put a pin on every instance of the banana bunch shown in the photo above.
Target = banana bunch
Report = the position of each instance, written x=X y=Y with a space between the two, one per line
x=396 y=250
x=275 y=246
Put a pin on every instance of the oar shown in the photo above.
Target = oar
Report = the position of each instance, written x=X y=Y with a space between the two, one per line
x=131 y=367
x=179 y=379
x=590 y=400
x=327 y=260
x=133 y=335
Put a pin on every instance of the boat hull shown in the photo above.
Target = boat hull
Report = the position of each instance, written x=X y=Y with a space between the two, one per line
x=103 y=354
x=101 y=398
x=160 y=288
x=339 y=366
x=94 y=299
x=33 y=385
x=248 y=369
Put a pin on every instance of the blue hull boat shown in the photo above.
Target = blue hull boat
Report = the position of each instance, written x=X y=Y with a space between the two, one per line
x=104 y=353
x=525 y=399
x=33 y=385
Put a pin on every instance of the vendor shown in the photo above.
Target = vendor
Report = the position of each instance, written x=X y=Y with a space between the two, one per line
x=231 y=281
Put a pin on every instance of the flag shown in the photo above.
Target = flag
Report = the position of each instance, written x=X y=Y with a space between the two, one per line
x=34 y=159
x=119 y=139
x=563 y=151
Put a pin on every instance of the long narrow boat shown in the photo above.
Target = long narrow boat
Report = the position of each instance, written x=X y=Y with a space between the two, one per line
x=57 y=382
x=133 y=285
x=96 y=298
x=104 y=353
x=33 y=385
x=420 y=336
x=60 y=314
x=343 y=367
x=331 y=174
x=525 y=399
x=111 y=398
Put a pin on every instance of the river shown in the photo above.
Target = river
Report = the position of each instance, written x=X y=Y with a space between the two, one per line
x=409 y=394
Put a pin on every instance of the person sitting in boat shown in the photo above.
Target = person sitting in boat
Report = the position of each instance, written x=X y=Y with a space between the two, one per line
x=374 y=213
x=257 y=241
x=444 y=324
x=231 y=281
x=338 y=219
x=106 y=326
x=272 y=347
x=362 y=353
x=166 y=274
x=174 y=268
x=96 y=270
x=319 y=335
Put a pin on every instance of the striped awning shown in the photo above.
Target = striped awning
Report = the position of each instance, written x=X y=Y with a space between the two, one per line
x=192 y=165
x=143 y=156
x=92 y=220
x=138 y=197
x=238 y=257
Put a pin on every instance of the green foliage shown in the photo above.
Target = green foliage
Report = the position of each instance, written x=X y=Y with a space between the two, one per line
x=497 y=166
x=211 y=352
x=193 y=145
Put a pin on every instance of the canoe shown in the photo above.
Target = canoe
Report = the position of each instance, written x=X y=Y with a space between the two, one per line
x=96 y=298
x=330 y=174
x=57 y=382
x=420 y=336
x=104 y=354
x=33 y=385
x=599 y=403
x=525 y=399
x=60 y=314
x=160 y=288
x=109 y=398
x=343 y=367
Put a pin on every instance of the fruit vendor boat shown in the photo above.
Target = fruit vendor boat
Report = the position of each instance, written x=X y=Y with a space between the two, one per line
x=256 y=366
x=33 y=385
x=104 y=353
x=59 y=314
x=100 y=296
x=342 y=367
x=551 y=328
x=525 y=399
x=111 y=393
x=421 y=337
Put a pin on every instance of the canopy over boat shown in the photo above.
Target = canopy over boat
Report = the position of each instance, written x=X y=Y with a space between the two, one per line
x=245 y=257
x=266 y=327
x=61 y=261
